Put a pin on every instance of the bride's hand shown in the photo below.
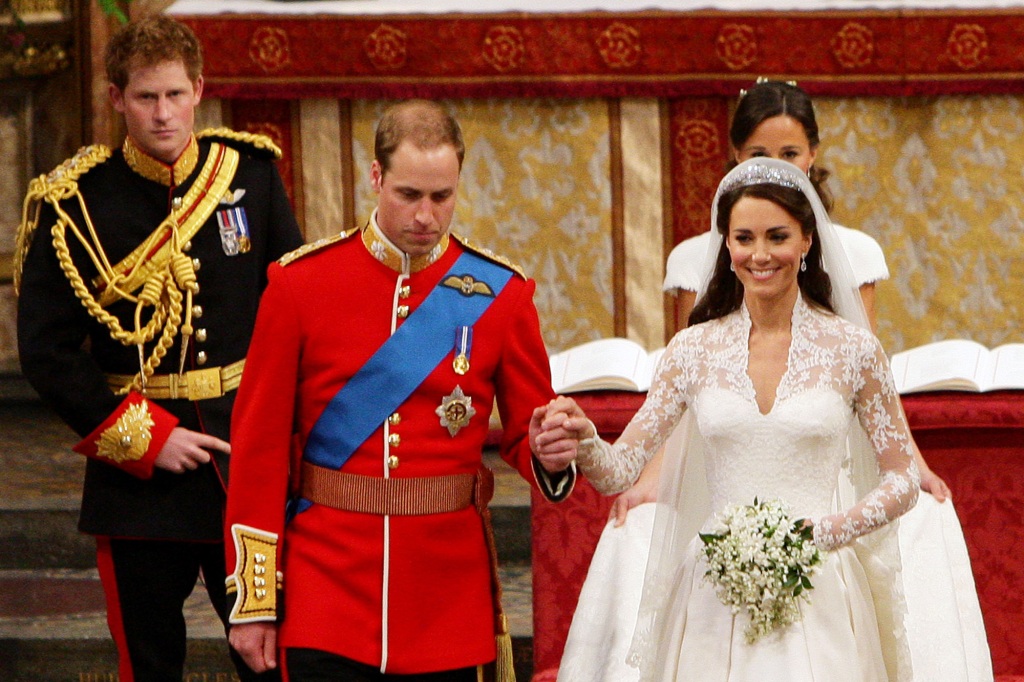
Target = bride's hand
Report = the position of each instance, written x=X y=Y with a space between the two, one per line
x=555 y=432
x=932 y=483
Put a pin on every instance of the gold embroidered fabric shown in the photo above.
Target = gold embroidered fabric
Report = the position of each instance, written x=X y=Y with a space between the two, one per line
x=937 y=182
x=153 y=169
x=129 y=438
x=390 y=255
x=255 y=578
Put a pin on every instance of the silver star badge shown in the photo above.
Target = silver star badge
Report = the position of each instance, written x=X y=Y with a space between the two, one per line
x=455 y=411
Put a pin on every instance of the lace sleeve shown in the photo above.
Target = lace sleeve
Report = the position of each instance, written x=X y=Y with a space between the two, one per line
x=880 y=412
x=613 y=468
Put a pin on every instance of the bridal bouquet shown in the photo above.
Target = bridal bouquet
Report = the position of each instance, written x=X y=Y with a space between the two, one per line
x=761 y=560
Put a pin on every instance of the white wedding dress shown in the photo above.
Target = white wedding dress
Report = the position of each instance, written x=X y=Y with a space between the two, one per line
x=945 y=631
x=837 y=374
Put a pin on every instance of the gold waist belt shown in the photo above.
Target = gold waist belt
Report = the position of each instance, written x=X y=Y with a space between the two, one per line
x=387 y=496
x=195 y=384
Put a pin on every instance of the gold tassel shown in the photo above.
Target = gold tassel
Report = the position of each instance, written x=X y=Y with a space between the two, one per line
x=504 y=664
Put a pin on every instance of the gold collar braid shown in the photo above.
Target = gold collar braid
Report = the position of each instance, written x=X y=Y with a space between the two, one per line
x=156 y=170
x=381 y=248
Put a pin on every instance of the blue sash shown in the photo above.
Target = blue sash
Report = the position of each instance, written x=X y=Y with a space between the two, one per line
x=402 y=363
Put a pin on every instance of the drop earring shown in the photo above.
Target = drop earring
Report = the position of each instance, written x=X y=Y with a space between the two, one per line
x=803 y=263
x=732 y=268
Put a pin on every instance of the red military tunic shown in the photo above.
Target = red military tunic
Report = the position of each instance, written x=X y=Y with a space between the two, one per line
x=406 y=593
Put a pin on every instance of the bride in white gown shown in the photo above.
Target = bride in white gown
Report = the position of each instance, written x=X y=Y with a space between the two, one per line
x=944 y=625
x=777 y=387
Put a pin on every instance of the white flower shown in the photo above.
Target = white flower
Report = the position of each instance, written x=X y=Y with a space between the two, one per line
x=760 y=561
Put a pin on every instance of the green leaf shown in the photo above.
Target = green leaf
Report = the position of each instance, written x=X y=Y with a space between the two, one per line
x=112 y=8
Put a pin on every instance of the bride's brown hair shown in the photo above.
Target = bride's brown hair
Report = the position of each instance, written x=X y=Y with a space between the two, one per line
x=725 y=292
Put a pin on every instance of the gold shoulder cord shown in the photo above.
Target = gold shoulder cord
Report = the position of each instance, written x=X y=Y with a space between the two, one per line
x=165 y=282
x=61 y=183
x=255 y=139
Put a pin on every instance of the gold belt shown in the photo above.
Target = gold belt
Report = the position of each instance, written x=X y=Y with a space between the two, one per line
x=195 y=384
x=387 y=496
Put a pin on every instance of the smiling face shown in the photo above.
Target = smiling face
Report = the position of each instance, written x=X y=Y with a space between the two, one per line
x=779 y=137
x=765 y=245
x=416 y=196
x=158 y=105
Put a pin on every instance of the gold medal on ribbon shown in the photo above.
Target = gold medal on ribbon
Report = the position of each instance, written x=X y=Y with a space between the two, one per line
x=455 y=411
x=463 y=343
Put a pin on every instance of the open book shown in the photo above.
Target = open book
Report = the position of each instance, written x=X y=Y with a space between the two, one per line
x=615 y=364
x=959 y=365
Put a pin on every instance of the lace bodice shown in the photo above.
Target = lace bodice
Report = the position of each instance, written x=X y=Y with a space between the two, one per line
x=837 y=373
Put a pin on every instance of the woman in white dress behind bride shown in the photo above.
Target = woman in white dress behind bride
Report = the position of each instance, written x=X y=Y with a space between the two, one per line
x=781 y=374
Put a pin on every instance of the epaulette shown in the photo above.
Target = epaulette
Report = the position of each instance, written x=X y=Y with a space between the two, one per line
x=58 y=184
x=313 y=247
x=490 y=255
x=254 y=143
x=78 y=165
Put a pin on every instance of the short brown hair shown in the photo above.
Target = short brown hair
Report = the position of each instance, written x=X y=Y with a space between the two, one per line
x=151 y=41
x=424 y=123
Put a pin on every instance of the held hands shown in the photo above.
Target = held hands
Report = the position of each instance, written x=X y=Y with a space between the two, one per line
x=185 y=450
x=256 y=643
x=555 y=432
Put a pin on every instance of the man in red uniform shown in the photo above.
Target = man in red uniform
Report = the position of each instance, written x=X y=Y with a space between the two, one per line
x=375 y=362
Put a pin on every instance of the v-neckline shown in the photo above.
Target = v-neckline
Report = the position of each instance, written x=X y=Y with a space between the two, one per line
x=748 y=326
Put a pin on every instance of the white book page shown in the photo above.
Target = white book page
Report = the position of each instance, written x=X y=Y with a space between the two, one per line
x=1005 y=368
x=952 y=365
x=601 y=359
x=651 y=367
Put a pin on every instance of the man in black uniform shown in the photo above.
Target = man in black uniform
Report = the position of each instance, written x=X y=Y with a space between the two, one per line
x=139 y=272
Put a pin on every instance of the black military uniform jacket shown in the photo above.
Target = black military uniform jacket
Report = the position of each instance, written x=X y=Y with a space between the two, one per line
x=68 y=355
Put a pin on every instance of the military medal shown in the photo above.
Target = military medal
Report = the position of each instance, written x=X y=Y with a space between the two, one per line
x=463 y=342
x=234 y=230
x=455 y=411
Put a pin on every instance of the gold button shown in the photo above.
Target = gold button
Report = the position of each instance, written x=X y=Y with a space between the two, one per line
x=187 y=247
x=197 y=311
x=196 y=264
x=176 y=203
x=394 y=419
x=405 y=291
x=195 y=288
x=201 y=357
x=403 y=311
x=392 y=462
x=394 y=440
x=200 y=335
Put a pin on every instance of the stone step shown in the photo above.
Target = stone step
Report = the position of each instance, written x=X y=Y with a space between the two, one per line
x=53 y=628
x=40 y=495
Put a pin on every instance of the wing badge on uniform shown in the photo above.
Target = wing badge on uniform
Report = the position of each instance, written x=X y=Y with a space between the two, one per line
x=467 y=285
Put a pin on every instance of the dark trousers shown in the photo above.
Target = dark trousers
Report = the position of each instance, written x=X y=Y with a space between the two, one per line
x=311 y=665
x=146 y=584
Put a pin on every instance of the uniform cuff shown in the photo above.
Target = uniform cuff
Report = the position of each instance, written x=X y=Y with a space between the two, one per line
x=252 y=590
x=555 y=486
x=131 y=437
